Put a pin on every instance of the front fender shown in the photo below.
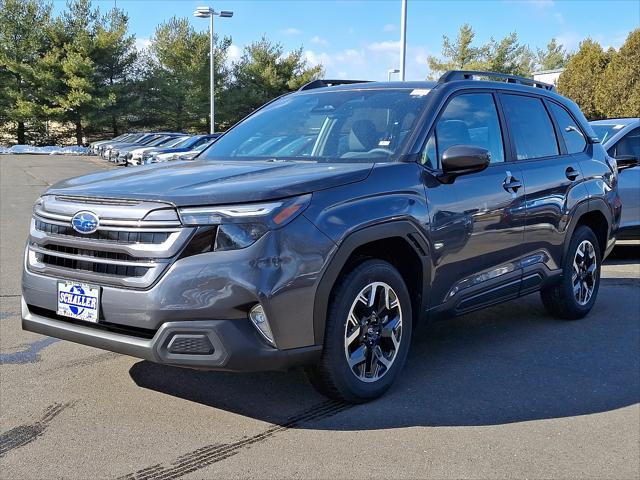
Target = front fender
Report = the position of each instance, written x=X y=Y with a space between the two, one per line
x=404 y=229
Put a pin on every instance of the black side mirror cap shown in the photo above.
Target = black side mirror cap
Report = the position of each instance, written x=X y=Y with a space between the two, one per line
x=463 y=159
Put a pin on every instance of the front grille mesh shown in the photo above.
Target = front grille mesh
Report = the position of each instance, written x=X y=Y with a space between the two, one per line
x=89 y=266
x=105 y=235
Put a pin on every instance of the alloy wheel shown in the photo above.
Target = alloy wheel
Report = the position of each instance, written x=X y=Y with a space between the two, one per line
x=585 y=271
x=373 y=332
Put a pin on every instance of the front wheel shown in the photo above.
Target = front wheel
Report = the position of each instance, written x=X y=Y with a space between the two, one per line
x=367 y=334
x=576 y=293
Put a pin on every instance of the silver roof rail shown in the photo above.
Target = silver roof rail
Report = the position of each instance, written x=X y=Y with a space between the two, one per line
x=320 y=83
x=453 y=75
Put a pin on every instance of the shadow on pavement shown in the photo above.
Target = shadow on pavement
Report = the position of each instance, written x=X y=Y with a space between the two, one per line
x=624 y=255
x=509 y=363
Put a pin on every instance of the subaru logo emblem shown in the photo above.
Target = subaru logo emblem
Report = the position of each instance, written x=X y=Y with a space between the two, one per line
x=85 y=222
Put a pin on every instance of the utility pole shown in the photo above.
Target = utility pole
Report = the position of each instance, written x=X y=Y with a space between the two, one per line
x=403 y=38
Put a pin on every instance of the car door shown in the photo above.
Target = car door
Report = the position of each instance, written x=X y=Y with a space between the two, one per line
x=548 y=146
x=477 y=220
x=626 y=149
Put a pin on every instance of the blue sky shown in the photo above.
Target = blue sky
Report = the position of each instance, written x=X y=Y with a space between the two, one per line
x=360 y=39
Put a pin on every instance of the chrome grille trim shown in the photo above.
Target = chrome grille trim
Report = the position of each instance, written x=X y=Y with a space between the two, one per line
x=108 y=222
x=167 y=249
x=134 y=227
x=122 y=252
x=91 y=259
x=36 y=266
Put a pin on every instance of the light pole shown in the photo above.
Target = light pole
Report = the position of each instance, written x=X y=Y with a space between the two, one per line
x=390 y=72
x=208 y=12
x=403 y=37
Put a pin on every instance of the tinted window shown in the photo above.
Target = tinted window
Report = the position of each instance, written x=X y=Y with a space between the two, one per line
x=530 y=127
x=573 y=138
x=469 y=119
x=628 y=146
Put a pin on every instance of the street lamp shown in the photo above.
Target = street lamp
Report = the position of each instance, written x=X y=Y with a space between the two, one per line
x=390 y=72
x=208 y=12
x=403 y=37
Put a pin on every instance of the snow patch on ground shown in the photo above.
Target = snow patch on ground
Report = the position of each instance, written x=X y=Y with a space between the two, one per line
x=49 y=150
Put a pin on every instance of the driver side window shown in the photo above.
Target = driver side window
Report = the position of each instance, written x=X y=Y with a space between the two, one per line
x=468 y=119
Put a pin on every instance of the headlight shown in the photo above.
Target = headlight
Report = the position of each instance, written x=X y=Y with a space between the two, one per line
x=241 y=225
x=37 y=205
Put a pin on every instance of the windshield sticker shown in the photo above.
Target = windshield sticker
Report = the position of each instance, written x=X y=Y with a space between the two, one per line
x=420 y=92
x=384 y=143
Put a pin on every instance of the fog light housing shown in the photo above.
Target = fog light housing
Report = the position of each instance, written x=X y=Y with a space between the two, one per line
x=260 y=321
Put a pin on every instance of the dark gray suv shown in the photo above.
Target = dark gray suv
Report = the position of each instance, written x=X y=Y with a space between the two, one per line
x=322 y=229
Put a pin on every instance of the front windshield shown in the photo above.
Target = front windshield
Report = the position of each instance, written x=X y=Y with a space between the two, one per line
x=338 y=125
x=174 y=142
x=184 y=142
x=604 y=132
x=162 y=141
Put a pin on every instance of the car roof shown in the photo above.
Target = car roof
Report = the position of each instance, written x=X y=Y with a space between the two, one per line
x=449 y=86
x=615 y=121
x=374 y=86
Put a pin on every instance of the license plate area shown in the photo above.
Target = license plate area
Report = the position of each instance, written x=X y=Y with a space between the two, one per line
x=80 y=301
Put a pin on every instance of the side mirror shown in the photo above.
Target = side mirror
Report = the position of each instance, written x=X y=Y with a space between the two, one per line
x=463 y=159
x=627 y=161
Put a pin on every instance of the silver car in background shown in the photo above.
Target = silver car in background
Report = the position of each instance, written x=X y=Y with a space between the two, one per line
x=620 y=137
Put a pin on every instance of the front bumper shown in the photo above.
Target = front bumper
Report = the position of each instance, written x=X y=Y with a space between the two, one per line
x=211 y=291
x=229 y=345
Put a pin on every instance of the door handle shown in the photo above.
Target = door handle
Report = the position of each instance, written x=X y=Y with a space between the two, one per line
x=571 y=173
x=511 y=184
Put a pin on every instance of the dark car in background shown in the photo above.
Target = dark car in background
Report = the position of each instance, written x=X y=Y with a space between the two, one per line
x=398 y=204
x=620 y=137
x=190 y=154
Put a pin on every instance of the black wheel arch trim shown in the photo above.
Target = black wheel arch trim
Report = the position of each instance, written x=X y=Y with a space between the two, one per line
x=405 y=229
x=587 y=206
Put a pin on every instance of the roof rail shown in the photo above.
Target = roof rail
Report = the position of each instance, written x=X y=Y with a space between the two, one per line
x=328 y=83
x=453 y=75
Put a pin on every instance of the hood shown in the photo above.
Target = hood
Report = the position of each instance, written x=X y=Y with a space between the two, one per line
x=207 y=182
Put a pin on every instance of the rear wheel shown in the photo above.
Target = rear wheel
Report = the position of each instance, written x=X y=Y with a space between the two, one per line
x=367 y=335
x=576 y=293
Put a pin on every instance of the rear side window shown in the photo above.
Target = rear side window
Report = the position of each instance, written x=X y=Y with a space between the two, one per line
x=468 y=119
x=530 y=126
x=573 y=137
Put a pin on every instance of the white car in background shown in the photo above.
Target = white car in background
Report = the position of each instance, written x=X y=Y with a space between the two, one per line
x=620 y=137
x=134 y=157
x=188 y=155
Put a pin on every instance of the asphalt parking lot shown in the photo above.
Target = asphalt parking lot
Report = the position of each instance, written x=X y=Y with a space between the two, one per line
x=508 y=392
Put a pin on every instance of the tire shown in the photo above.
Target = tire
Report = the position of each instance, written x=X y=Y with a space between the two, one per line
x=364 y=334
x=561 y=300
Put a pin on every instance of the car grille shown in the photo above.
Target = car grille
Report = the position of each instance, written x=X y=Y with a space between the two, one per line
x=128 y=249
x=104 y=235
